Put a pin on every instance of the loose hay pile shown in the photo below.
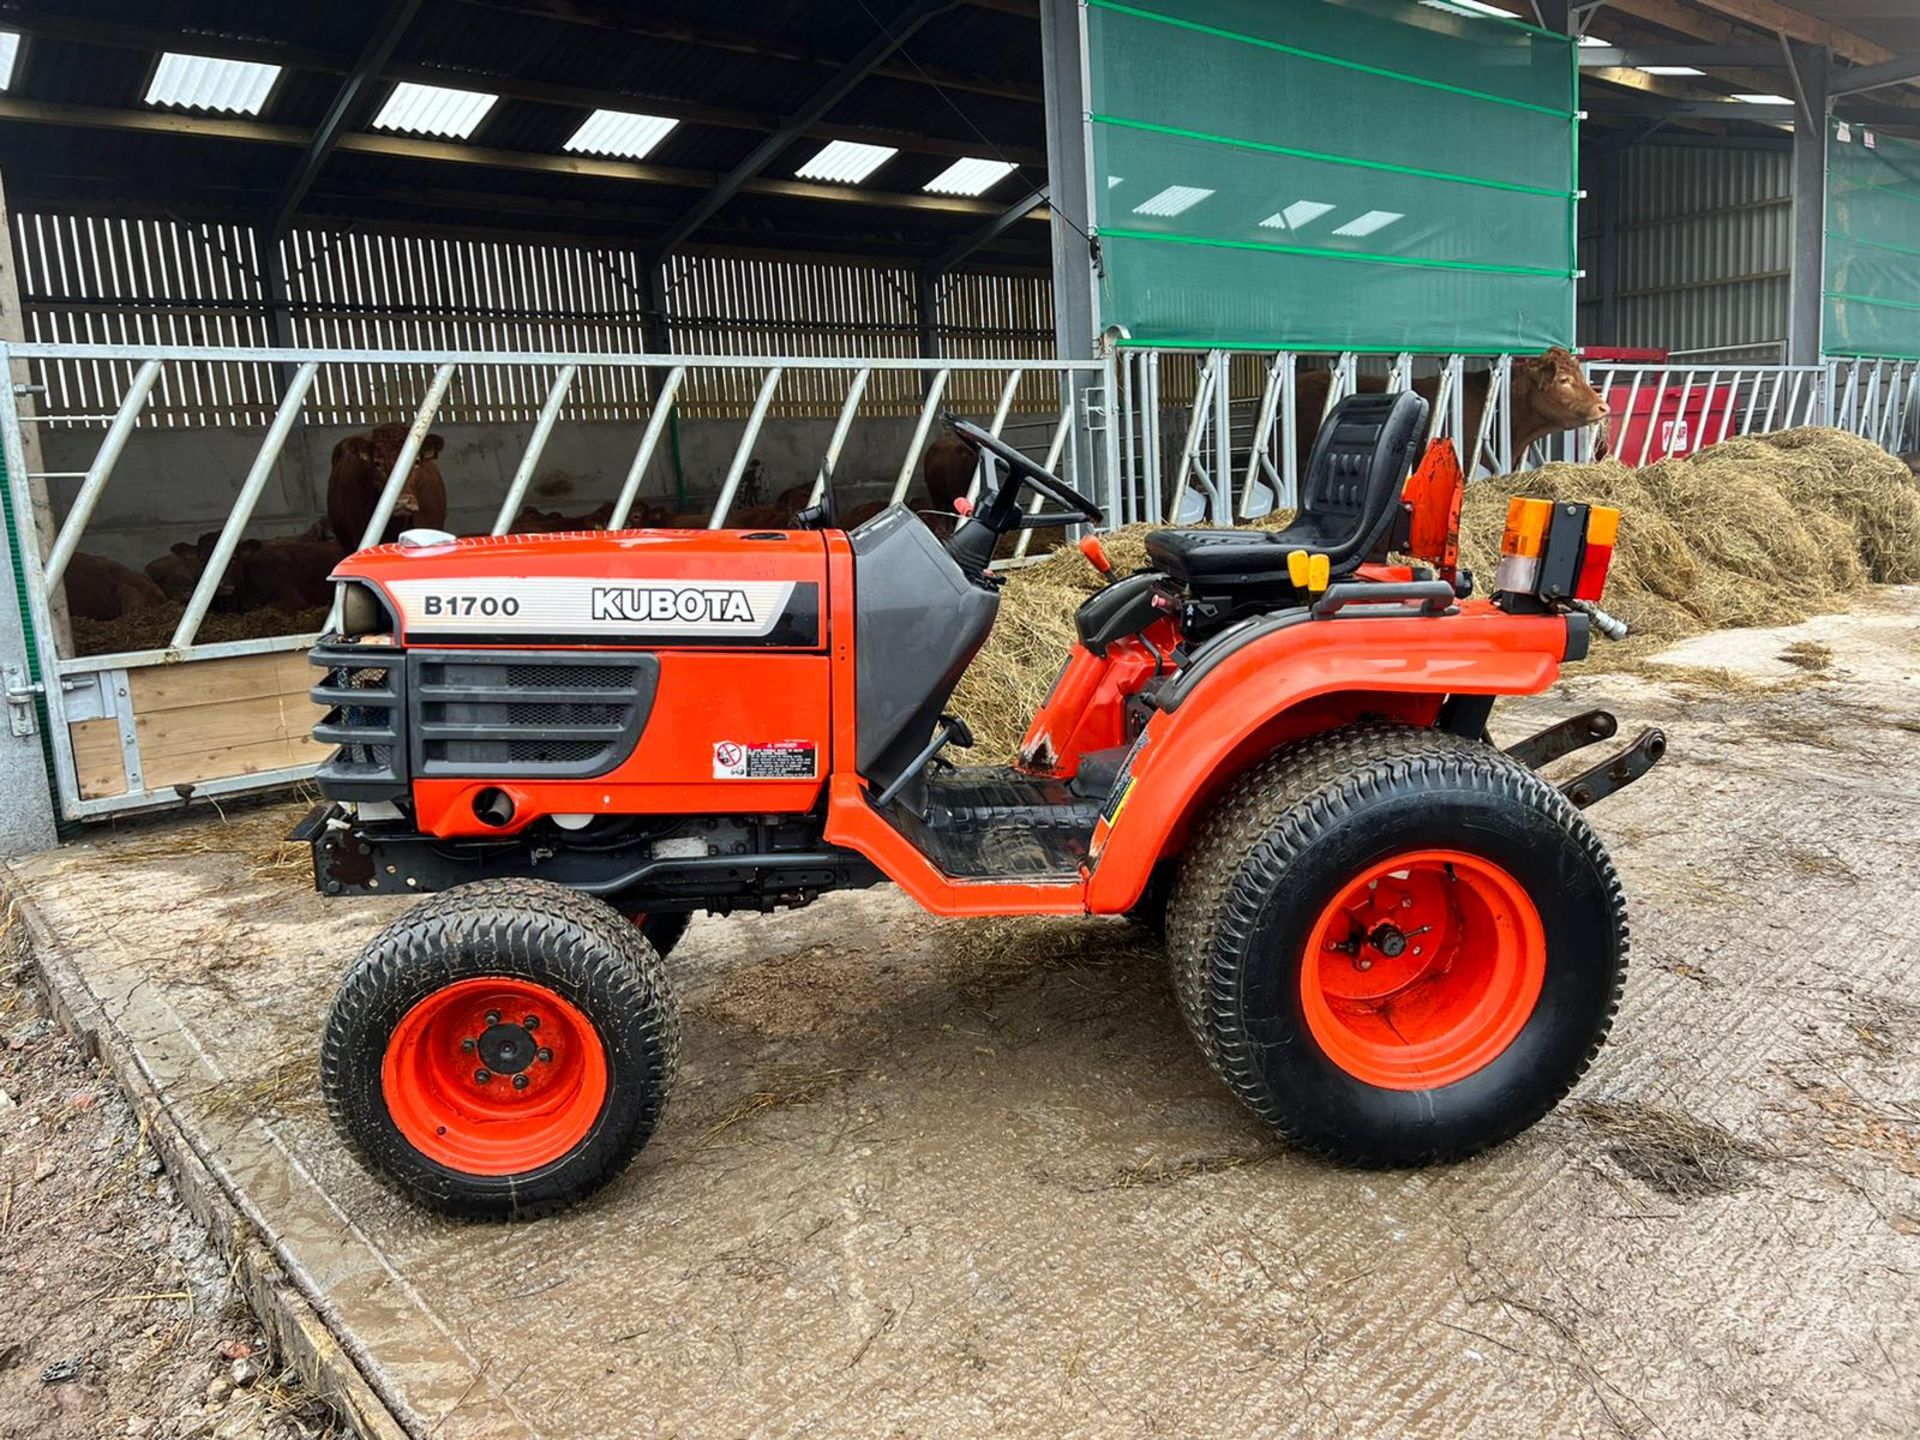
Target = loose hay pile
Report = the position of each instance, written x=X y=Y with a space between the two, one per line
x=1762 y=530
x=151 y=628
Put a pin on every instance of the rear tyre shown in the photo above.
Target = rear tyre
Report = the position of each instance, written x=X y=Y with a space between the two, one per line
x=1396 y=946
x=501 y=1050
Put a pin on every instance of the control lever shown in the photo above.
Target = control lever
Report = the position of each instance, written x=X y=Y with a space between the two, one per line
x=952 y=729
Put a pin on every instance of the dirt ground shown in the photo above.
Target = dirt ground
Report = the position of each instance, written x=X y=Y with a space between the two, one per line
x=117 y=1317
x=971 y=1178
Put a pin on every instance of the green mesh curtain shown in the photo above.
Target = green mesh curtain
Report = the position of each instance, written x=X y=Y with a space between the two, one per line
x=1873 y=245
x=1367 y=175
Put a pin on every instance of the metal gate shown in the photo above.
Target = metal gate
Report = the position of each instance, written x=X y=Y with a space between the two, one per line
x=188 y=718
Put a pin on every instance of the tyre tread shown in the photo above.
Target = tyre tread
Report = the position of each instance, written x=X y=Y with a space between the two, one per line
x=1276 y=812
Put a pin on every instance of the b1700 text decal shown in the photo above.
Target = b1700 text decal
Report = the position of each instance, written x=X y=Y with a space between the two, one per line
x=554 y=605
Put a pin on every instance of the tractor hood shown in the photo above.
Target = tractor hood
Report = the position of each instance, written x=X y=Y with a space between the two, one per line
x=642 y=588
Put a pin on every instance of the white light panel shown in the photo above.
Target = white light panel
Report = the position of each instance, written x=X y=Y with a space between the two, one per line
x=1174 y=200
x=1368 y=223
x=620 y=133
x=969 y=177
x=202 y=82
x=846 y=162
x=1300 y=212
x=433 y=110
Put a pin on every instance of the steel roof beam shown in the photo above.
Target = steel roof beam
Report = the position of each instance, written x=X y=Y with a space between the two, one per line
x=990 y=231
x=1653 y=105
x=544 y=92
x=890 y=39
x=348 y=102
x=1701 y=57
x=624 y=18
x=404 y=147
x=1872 y=77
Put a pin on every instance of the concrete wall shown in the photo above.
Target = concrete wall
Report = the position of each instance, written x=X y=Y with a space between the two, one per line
x=173 y=485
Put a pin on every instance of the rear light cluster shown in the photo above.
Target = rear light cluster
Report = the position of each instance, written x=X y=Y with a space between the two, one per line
x=1556 y=550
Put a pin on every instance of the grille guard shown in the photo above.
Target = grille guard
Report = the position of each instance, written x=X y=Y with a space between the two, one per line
x=398 y=714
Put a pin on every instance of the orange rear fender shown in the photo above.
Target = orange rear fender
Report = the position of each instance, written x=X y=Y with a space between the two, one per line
x=1291 y=683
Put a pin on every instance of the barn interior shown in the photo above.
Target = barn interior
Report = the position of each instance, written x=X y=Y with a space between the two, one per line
x=551 y=175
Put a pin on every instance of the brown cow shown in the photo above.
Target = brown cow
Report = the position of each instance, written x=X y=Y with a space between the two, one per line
x=948 y=467
x=177 y=572
x=1550 y=394
x=361 y=464
x=103 y=589
x=286 y=575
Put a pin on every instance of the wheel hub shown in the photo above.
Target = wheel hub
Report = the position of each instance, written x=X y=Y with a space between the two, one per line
x=1422 y=968
x=507 y=1049
x=494 y=1075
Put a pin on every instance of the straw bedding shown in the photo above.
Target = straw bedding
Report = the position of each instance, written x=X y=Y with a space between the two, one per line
x=1760 y=530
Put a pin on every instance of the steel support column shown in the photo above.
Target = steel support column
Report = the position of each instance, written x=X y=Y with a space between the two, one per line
x=926 y=310
x=1607 y=184
x=1807 y=264
x=1076 y=298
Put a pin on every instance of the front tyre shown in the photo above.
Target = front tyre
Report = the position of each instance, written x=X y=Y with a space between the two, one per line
x=501 y=1050
x=1396 y=946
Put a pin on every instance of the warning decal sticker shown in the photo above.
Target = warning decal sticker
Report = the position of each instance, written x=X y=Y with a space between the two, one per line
x=778 y=760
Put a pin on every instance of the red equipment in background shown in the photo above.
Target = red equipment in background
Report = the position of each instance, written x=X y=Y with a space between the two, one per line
x=1662 y=415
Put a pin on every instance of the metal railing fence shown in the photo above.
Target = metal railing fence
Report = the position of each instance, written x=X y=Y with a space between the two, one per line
x=1212 y=435
x=1073 y=440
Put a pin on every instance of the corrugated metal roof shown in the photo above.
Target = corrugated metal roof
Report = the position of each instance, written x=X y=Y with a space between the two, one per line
x=704 y=83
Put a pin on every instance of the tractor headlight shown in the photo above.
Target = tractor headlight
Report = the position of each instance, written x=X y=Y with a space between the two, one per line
x=361 y=611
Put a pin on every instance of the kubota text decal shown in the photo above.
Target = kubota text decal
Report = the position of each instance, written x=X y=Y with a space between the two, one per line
x=555 y=605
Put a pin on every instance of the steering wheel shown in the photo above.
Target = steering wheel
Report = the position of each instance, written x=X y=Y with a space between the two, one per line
x=1002 y=511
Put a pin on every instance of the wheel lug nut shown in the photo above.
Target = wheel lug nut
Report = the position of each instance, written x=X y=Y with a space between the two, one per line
x=493 y=1017
x=520 y=1082
x=532 y=1022
x=544 y=1055
x=468 y=1046
x=482 y=1075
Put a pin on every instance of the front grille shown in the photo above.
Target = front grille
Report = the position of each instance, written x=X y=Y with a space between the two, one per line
x=582 y=712
x=553 y=752
x=572 y=676
x=363 y=691
x=485 y=713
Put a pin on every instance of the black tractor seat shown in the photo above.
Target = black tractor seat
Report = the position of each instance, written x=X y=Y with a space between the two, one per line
x=1351 y=501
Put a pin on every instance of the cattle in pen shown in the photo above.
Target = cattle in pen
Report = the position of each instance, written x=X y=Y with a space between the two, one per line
x=1551 y=394
x=361 y=465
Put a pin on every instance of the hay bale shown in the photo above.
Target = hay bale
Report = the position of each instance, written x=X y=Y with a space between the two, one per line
x=1758 y=530
x=1874 y=494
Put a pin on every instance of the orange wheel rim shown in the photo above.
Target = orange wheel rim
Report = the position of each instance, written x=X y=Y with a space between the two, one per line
x=1423 y=969
x=494 y=1076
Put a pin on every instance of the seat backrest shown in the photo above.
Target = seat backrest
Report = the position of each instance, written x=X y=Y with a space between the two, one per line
x=1355 y=474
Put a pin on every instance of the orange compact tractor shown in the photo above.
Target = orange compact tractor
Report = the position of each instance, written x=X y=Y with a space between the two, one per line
x=1394 y=941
